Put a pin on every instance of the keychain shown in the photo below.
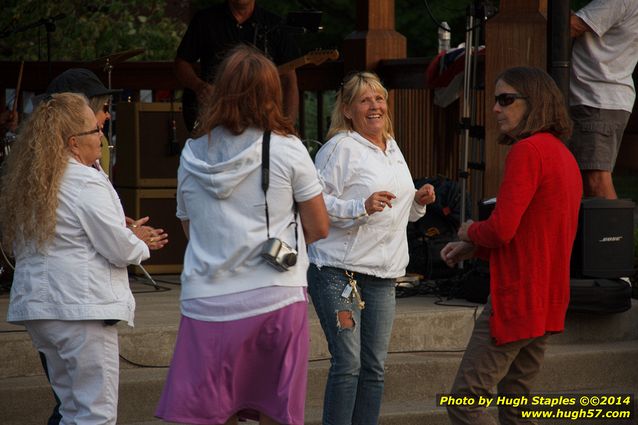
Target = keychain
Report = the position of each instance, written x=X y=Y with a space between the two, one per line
x=354 y=290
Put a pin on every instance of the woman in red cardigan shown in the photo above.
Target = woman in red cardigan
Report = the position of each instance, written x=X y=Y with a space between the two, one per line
x=528 y=241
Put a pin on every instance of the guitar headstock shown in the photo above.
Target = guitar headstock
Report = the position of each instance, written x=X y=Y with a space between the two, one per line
x=317 y=57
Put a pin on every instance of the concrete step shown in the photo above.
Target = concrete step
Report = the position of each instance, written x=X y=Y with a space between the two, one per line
x=410 y=377
x=412 y=413
x=395 y=413
x=421 y=325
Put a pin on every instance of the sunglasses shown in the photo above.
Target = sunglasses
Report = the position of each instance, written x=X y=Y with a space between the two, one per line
x=86 y=133
x=506 y=99
x=106 y=107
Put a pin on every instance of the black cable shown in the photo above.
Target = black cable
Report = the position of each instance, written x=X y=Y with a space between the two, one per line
x=144 y=282
x=13 y=331
x=142 y=365
x=168 y=282
x=438 y=24
x=159 y=289
x=431 y=15
x=459 y=350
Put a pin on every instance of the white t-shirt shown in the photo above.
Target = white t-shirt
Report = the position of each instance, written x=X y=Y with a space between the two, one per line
x=603 y=61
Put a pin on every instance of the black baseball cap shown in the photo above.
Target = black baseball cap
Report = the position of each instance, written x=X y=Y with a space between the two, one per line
x=79 y=80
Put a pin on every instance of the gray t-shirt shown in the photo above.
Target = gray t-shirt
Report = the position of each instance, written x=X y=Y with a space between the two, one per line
x=603 y=61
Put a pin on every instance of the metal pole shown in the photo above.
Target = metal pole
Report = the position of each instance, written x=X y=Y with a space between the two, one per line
x=466 y=118
x=559 y=44
x=109 y=69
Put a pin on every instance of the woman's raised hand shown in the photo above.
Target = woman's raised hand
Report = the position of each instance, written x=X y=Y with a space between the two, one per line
x=425 y=195
x=378 y=201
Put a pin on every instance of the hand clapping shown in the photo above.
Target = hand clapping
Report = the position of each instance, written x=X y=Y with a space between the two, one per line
x=154 y=238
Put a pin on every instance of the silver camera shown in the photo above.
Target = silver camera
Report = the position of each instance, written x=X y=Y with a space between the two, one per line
x=279 y=254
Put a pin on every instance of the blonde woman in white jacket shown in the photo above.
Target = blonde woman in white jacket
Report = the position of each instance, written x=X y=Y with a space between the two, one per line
x=370 y=197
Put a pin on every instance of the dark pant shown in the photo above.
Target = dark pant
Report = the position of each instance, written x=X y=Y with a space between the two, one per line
x=511 y=368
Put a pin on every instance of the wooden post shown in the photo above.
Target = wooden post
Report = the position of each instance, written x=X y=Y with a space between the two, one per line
x=374 y=37
x=516 y=36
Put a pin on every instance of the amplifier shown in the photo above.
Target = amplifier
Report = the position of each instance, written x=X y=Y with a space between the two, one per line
x=148 y=144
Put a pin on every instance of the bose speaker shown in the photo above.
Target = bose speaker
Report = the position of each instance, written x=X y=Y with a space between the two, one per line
x=604 y=245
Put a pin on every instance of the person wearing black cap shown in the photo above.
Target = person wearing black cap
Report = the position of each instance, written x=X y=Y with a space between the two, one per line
x=80 y=80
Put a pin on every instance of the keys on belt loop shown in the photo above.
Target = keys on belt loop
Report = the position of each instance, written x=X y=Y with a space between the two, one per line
x=353 y=284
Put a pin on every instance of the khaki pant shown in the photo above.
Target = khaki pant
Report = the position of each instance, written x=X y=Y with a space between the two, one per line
x=511 y=368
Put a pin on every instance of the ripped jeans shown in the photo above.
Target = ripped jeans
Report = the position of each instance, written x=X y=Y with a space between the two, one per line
x=358 y=342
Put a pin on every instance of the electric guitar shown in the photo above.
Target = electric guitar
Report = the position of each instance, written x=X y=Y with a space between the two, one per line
x=316 y=57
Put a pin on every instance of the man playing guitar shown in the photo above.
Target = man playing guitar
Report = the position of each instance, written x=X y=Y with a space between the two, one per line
x=212 y=32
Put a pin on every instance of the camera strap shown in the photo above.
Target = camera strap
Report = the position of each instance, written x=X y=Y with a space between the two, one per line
x=265 y=181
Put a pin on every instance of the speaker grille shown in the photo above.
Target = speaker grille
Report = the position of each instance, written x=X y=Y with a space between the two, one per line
x=604 y=246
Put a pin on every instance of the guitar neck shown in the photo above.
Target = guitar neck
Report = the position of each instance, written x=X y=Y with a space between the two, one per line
x=291 y=66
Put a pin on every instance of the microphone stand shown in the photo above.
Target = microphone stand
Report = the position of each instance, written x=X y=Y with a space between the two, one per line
x=108 y=68
x=49 y=25
x=474 y=20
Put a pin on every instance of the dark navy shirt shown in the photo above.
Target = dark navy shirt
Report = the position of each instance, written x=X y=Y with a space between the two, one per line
x=214 y=30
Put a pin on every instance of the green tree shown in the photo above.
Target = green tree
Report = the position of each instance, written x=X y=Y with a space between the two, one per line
x=92 y=30
x=89 y=31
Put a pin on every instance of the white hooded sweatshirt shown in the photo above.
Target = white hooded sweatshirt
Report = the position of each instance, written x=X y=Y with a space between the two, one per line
x=219 y=191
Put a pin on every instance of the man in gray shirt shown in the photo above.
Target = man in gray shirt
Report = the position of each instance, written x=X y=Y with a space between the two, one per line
x=602 y=93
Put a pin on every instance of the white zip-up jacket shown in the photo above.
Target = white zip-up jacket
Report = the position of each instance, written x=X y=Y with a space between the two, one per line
x=351 y=168
x=81 y=274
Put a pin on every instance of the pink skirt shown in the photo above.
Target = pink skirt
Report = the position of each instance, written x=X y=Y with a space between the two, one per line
x=244 y=367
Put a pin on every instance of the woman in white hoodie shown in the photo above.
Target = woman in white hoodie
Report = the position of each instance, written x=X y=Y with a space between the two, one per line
x=242 y=345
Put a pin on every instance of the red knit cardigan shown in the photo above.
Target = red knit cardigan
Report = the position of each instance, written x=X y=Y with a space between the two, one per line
x=528 y=239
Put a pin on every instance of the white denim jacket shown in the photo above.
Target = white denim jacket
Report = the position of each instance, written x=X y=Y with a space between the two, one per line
x=81 y=274
x=351 y=168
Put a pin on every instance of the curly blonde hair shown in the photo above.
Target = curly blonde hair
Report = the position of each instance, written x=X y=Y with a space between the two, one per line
x=353 y=85
x=34 y=169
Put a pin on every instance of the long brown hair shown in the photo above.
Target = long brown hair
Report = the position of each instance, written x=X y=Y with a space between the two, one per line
x=247 y=93
x=353 y=85
x=546 y=109
x=33 y=172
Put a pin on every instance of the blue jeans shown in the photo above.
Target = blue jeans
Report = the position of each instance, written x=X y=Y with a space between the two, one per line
x=358 y=347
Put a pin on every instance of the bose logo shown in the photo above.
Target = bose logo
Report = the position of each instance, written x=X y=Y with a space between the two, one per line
x=611 y=239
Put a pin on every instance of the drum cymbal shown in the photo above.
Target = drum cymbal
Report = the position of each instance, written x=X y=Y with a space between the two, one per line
x=114 y=58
